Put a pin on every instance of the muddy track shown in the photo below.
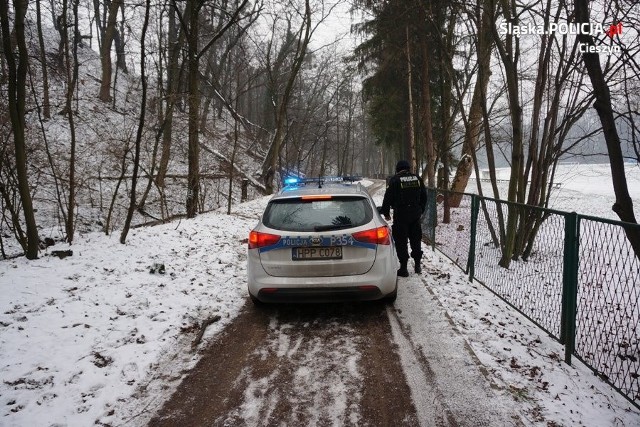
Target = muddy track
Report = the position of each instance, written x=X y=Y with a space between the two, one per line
x=332 y=364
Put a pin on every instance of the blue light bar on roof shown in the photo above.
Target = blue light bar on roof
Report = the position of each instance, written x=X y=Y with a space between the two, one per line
x=293 y=181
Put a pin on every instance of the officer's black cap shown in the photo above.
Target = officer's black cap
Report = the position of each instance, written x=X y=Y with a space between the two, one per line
x=402 y=165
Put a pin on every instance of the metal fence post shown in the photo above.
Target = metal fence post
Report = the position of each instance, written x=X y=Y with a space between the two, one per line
x=471 y=260
x=570 y=285
x=431 y=217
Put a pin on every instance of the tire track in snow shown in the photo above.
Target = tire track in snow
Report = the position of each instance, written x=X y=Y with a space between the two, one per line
x=453 y=383
x=428 y=402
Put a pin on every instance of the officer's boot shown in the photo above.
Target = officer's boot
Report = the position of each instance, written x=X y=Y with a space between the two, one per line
x=417 y=256
x=402 y=272
x=417 y=268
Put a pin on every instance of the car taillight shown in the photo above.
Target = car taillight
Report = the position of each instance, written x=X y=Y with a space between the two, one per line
x=379 y=236
x=259 y=240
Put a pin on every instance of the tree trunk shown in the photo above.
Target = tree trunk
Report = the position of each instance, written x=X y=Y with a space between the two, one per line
x=114 y=197
x=413 y=161
x=338 y=153
x=143 y=108
x=349 y=136
x=194 y=54
x=474 y=127
x=46 y=104
x=446 y=78
x=234 y=149
x=99 y=22
x=427 y=123
x=17 y=99
x=8 y=190
x=105 y=52
x=121 y=58
x=193 y=184
x=488 y=140
x=58 y=25
x=623 y=205
x=72 y=78
x=175 y=41
x=510 y=55
x=323 y=160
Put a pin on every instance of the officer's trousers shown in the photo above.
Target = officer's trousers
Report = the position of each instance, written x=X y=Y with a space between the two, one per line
x=407 y=230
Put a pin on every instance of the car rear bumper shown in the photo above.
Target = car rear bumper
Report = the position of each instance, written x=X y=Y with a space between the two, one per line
x=319 y=295
x=378 y=282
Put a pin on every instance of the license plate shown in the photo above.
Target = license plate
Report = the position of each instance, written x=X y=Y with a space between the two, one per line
x=316 y=253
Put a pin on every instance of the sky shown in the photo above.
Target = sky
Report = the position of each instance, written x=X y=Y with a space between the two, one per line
x=102 y=336
x=336 y=27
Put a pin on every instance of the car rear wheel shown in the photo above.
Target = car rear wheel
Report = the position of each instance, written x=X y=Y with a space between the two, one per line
x=256 y=302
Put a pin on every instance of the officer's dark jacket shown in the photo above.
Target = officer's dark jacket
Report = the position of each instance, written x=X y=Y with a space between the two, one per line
x=407 y=196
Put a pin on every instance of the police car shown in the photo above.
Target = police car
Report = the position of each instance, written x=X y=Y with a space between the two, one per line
x=321 y=240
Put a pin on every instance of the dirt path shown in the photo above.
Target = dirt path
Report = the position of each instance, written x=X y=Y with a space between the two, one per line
x=332 y=364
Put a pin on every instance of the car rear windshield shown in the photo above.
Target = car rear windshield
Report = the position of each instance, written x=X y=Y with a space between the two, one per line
x=317 y=215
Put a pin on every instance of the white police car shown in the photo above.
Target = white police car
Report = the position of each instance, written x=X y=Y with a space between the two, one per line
x=321 y=240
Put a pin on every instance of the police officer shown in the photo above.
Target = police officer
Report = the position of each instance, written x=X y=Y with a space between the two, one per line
x=407 y=196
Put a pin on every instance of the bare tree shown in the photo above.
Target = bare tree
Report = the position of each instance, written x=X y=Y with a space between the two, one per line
x=302 y=41
x=175 y=41
x=623 y=206
x=509 y=51
x=105 y=51
x=413 y=159
x=141 y=123
x=46 y=104
x=536 y=142
x=17 y=84
x=71 y=65
x=427 y=122
x=193 y=83
x=10 y=200
x=194 y=54
x=484 y=17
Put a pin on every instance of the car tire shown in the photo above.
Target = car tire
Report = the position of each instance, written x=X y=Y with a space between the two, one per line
x=256 y=302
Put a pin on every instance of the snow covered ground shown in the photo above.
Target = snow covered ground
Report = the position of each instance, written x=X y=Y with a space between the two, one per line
x=104 y=336
x=586 y=189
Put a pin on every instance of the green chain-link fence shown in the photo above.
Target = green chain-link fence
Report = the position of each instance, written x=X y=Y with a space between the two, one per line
x=577 y=278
